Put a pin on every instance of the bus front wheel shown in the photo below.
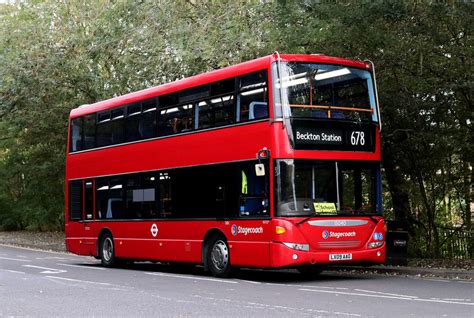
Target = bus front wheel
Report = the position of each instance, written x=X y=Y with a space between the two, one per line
x=107 y=251
x=218 y=257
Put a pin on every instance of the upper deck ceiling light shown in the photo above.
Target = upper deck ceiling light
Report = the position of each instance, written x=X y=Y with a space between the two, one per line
x=326 y=75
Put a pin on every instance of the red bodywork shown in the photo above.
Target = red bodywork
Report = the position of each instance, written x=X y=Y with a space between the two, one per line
x=182 y=240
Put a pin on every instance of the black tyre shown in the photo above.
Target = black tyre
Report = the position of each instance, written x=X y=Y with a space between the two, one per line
x=218 y=257
x=107 y=251
x=310 y=271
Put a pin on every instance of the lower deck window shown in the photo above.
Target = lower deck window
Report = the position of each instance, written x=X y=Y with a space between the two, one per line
x=207 y=192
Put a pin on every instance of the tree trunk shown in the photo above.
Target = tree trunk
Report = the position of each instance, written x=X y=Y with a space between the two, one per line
x=397 y=186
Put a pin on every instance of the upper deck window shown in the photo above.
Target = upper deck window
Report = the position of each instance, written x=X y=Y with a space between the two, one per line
x=216 y=104
x=253 y=96
x=326 y=91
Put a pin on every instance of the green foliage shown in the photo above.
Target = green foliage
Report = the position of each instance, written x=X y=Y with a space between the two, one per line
x=56 y=55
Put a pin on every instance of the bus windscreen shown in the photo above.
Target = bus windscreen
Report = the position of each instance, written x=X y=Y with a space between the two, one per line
x=325 y=188
x=324 y=91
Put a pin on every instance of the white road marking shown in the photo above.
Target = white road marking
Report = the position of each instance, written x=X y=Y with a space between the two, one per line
x=50 y=257
x=387 y=296
x=194 y=278
x=382 y=293
x=47 y=270
x=12 y=271
x=86 y=266
x=308 y=286
x=15 y=259
x=249 y=281
x=78 y=280
x=457 y=299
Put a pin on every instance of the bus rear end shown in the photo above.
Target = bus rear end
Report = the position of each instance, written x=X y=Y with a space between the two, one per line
x=327 y=179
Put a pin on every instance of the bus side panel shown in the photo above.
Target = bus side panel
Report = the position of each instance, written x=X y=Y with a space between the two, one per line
x=249 y=242
x=77 y=241
x=179 y=241
x=252 y=254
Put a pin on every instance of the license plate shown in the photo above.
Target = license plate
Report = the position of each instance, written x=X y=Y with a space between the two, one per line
x=340 y=257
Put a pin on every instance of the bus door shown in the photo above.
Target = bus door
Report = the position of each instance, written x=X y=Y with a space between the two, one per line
x=89 y=235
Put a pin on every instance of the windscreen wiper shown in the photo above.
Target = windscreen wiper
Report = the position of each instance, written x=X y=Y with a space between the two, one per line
x=305 y=219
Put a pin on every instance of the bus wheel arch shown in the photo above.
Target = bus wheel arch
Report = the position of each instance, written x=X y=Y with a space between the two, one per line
x=215 y=244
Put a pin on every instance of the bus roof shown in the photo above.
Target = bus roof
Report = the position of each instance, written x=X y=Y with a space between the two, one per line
x=208 y=77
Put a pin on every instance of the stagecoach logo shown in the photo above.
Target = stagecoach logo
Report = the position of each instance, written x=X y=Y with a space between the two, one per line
x=154 y=230
x=245 y=230
x=337 y=235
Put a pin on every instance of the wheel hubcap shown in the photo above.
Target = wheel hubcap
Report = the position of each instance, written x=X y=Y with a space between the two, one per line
x=108 y=249
x=220 y=255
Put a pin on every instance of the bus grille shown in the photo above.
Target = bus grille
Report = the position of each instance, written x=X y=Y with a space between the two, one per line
x=339 y=244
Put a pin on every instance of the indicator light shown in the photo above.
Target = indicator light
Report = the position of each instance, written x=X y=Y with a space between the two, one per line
x=280 y=229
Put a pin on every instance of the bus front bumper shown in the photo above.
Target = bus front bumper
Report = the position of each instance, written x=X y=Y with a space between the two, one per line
x=283 y=256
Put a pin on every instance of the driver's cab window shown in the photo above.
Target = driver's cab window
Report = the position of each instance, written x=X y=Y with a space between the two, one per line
x=253 y=199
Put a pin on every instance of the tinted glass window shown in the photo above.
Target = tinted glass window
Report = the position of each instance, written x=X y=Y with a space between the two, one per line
x=89 y=200
x=223 y=87
x=76 y=134
x=109 y=197
x=169 y=100
x=75 y=200
x=216 y=112
x=253 y=96
x=253 y=199
x=147 y=125
x=194 y=93
x=110 y=128
x=141 y=196
x=166 y=202
x=217 y=191
x=89 y=131
x=132 y=122
x=176 y=119
x=104 y=130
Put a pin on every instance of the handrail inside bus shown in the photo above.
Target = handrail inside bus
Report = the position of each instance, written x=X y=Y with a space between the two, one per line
x=333 y=107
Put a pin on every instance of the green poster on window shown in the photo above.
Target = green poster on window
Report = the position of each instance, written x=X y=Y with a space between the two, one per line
x=245 y=189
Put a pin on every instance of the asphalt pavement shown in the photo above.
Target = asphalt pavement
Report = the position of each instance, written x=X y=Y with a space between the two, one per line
x=39 y=284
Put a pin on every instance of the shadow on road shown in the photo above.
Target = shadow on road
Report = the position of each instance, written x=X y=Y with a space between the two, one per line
x=281 y=276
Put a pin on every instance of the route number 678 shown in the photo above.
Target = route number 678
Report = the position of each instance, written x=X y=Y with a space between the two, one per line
x=357 y=138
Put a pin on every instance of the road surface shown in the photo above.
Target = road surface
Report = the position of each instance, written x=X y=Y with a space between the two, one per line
x=38 y=283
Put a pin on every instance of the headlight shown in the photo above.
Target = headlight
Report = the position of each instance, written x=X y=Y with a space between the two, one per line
x=298 y=247
x=375 y=244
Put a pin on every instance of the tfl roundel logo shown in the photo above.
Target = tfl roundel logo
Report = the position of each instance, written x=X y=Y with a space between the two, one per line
x=233 y=229
x=325 y=234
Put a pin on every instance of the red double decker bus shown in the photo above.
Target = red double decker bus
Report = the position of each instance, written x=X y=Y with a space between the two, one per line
x=271 y=163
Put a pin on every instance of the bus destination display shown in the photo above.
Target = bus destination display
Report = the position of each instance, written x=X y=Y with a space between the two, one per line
x=314 y=135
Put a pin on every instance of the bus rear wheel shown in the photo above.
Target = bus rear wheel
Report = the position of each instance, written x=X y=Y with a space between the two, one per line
x=107 y=251
x=218 y=257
